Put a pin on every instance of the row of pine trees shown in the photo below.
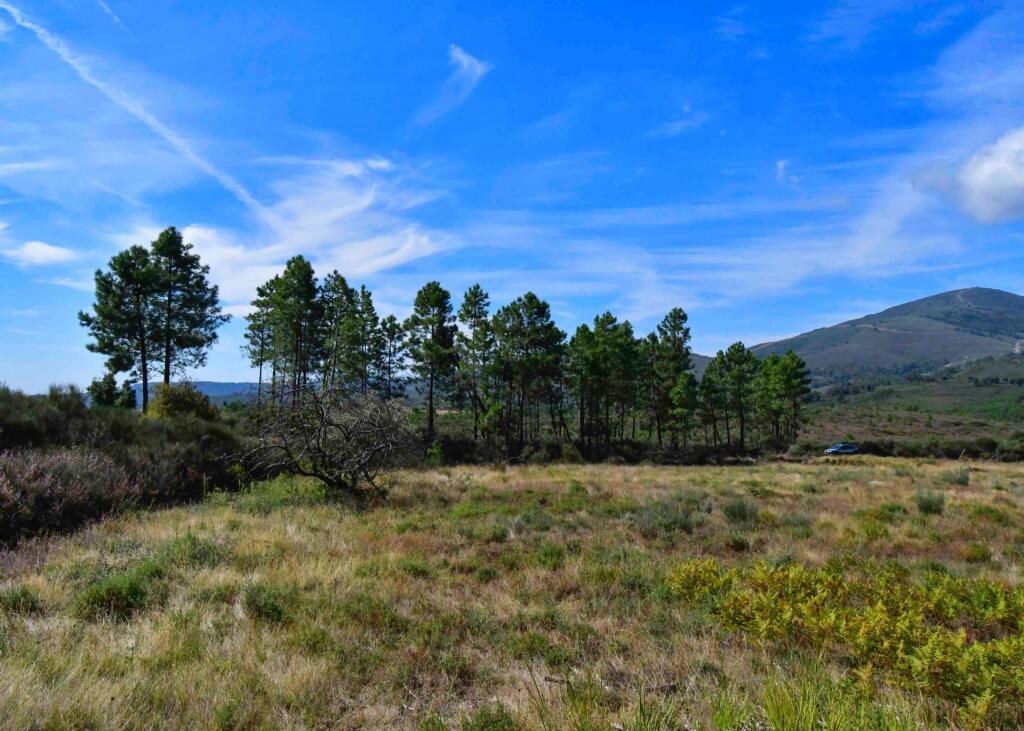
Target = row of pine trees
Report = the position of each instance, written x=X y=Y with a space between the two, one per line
x=520 y=378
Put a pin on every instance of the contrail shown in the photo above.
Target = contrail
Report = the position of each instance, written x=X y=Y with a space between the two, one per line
x=111 y=13
x=133 y=107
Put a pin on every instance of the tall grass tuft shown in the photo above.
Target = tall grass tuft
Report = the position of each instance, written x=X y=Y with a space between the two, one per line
x=930 y=502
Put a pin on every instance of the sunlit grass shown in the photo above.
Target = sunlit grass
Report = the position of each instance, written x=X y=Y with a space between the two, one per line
x=534 y=597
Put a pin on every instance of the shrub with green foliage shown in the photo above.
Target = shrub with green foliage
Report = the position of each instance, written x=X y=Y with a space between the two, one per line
x=63 y=464
x=181 y=399
x=957 y=639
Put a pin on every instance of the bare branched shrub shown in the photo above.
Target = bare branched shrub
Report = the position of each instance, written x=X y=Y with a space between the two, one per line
x=340 y=438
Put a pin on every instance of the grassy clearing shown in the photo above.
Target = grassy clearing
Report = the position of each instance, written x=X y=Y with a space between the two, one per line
x=538 y=598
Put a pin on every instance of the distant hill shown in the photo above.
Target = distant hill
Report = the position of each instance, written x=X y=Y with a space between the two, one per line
x=218 y=391
x=943 y=330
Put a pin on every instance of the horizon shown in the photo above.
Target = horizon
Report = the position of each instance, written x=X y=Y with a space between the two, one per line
x=626 y=160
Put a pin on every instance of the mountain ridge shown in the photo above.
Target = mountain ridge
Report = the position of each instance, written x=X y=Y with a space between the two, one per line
x=944 y=329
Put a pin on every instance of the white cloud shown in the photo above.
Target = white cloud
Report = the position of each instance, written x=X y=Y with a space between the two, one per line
x=110 y=13
x=39 y=253
x=353 y=215
x=132 y=106
x=780 y=170
x=730 y=25
x=467 y=74
x=850 y=22
x=991 y=181
x=28 y=166
x=80 y=285
x=690 y=120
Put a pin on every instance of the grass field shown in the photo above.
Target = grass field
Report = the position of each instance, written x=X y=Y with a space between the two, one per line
x=853 y=594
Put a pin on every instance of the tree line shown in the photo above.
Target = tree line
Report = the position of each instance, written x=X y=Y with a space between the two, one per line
x=515 y=378
x=522 y=381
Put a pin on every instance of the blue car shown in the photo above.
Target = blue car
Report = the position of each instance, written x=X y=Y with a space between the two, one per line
x=843 y=448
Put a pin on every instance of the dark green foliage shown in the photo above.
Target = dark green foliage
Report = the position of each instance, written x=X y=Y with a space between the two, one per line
x=185 y=305
x=154 y=308
x=431 y=330
x=103 y=391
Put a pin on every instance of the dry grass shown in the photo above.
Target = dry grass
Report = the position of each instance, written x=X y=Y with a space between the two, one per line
x=477 y=598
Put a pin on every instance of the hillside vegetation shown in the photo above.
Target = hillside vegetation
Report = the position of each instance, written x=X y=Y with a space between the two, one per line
x=846 y=595
x=926 y=334
x=978 y=406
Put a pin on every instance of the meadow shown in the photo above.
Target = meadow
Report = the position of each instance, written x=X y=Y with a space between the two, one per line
x=846 y=594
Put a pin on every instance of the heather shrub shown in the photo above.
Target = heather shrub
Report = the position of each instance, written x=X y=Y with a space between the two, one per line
x=43 y=492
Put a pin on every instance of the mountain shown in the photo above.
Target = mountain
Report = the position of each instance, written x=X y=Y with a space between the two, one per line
x=942 y=330
x=218 y=391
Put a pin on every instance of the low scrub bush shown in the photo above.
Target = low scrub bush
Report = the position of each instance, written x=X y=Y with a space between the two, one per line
x=63 y=464
x=59 y=490
x=181 y=399
x=957 y=639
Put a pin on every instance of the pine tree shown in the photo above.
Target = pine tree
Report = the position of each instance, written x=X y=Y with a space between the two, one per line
x=672 y=360
x=259 y=334
x=741 y=368
x=431 y=329
x=392 y=357
x=296 y=324
x=103 y=391
x=338 y=307
x=476 y=350
x=123 y=323
x=185 y=305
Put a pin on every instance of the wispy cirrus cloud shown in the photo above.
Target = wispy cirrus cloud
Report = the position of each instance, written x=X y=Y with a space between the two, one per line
x=688 y=121
x=105 y=7
x=850 y=22
x=83 y=69
x=38 y=253
x=467 y=73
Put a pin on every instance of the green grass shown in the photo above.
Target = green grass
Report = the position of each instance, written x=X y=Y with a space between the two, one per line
x=542 y=597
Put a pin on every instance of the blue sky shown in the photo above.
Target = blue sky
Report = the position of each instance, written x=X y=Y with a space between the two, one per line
x=769 y=170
